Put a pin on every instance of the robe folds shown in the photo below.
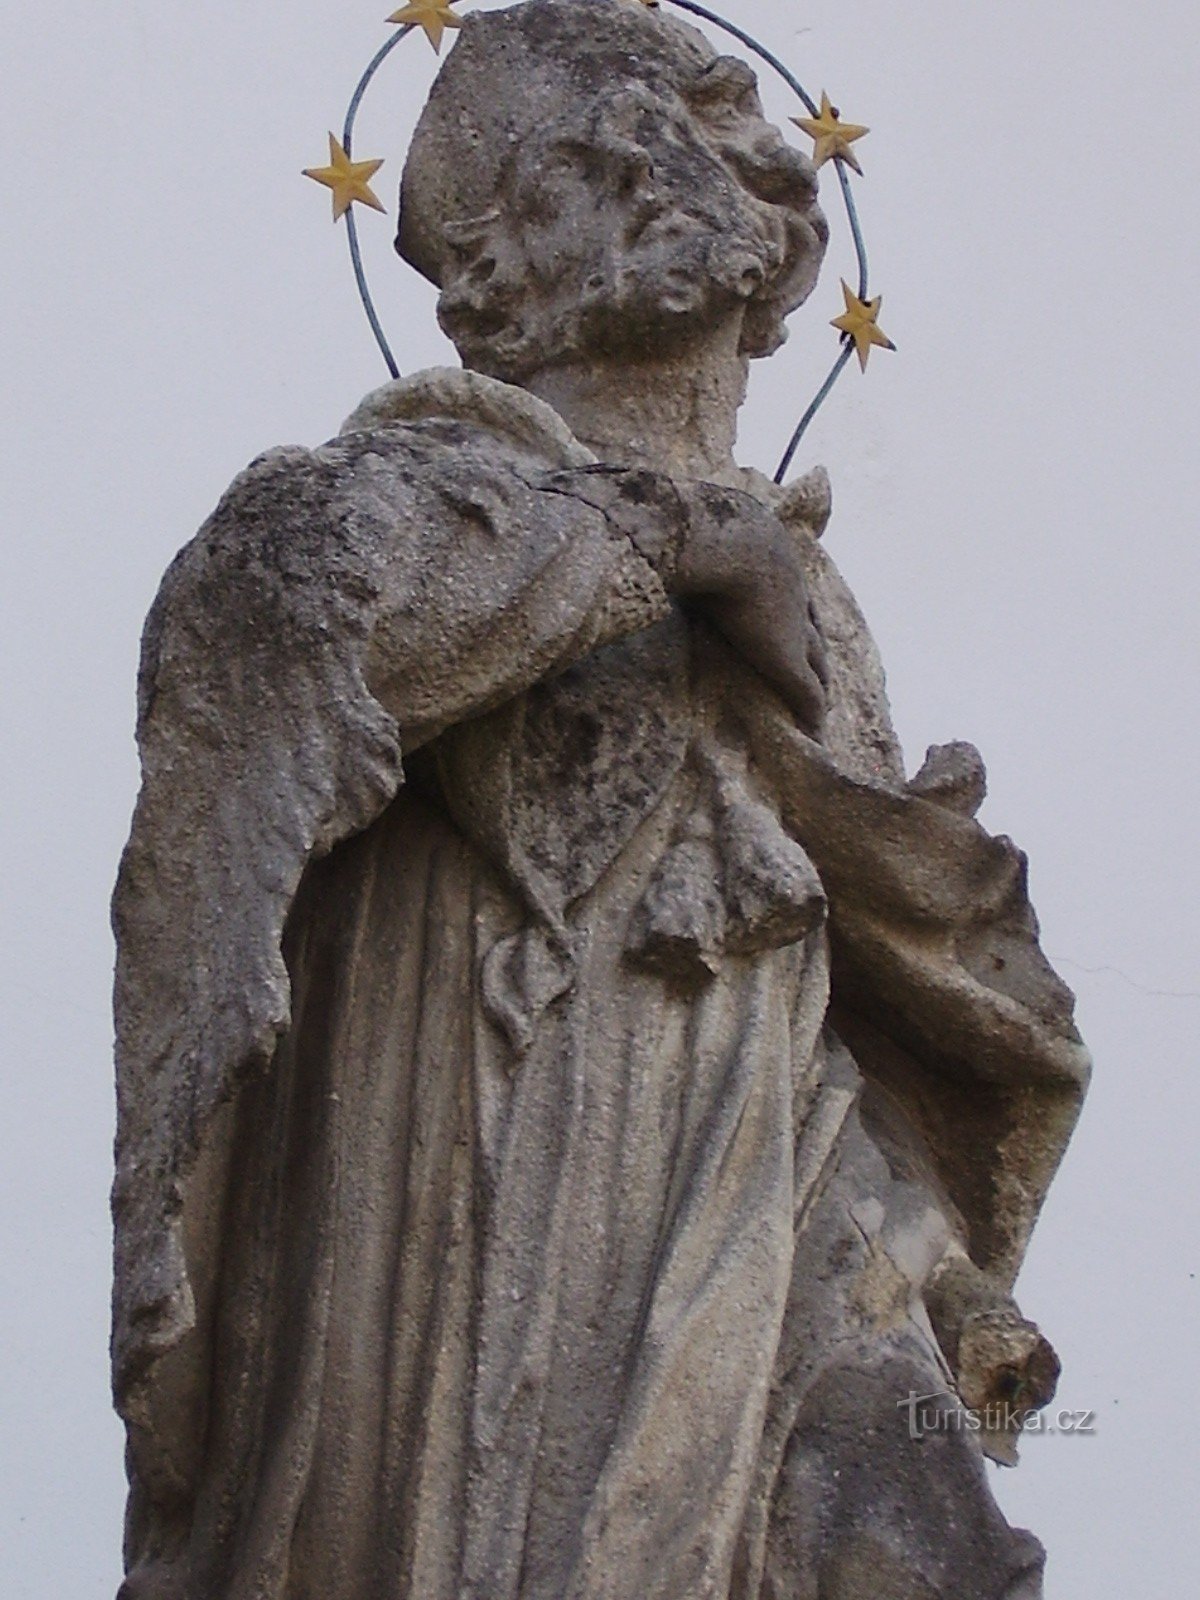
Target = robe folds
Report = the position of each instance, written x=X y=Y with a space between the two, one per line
x=548 y=1081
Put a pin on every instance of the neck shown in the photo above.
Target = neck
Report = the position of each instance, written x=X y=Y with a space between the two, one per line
x=676 y=412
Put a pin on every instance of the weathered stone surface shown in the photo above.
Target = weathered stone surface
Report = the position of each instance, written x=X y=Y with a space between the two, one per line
x=572 y=1088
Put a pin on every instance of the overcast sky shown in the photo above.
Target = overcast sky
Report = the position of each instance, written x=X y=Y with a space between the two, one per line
x=1015 y=506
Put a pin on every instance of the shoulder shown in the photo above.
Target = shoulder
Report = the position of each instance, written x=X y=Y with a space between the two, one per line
x=436 y=414
x=510 y=417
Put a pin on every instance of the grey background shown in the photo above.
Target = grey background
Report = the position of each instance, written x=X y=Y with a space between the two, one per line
x=1015 y=495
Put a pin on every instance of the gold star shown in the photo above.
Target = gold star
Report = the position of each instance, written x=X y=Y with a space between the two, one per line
x=435 y=16
x=832 y=136
x=860 y=322
x=349 y=180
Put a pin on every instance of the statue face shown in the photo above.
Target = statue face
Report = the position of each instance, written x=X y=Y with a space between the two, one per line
x=633 y=224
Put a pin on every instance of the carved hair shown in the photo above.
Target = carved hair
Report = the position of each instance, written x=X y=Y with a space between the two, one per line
x=543 y=81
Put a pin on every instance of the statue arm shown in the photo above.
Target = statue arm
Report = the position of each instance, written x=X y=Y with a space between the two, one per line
x=502 y=576
x=496 y=576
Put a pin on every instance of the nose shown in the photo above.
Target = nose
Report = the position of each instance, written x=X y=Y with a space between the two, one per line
x=637 y=184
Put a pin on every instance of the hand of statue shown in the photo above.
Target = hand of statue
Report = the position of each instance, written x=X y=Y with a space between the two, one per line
x=741 y=566
x=724 y=551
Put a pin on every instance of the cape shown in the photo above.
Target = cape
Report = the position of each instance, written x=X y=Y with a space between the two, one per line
x=268 y=735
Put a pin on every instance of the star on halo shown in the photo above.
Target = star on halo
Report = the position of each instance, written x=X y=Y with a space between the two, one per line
x=349 y=180
x=832 y=136
x=860 y=324
x=435 y=16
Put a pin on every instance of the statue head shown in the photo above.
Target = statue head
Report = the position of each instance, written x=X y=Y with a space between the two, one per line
x=591 y=178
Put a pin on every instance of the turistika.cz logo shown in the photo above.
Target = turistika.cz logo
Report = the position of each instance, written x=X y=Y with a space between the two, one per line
x=943 y=1412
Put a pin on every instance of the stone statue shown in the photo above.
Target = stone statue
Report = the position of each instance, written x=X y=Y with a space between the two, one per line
x=572 y=1088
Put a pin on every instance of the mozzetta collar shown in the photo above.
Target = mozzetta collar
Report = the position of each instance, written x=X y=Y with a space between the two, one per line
x=502 y=408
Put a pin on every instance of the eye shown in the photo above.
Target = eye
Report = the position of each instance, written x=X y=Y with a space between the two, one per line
x=562 y=163
x=540 y=204
x=546 y=176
